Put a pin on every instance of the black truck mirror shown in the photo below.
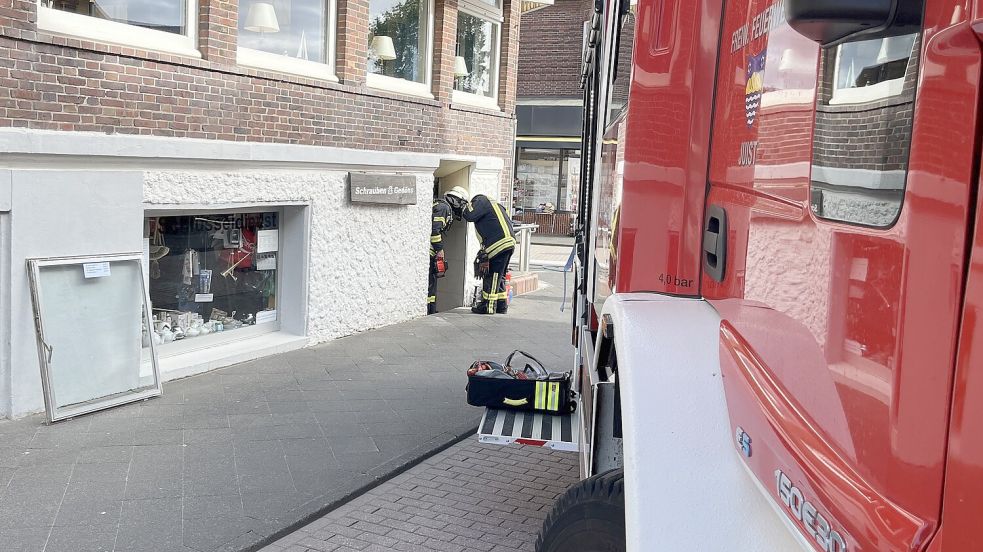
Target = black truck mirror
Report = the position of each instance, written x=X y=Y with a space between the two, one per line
x=831 y=22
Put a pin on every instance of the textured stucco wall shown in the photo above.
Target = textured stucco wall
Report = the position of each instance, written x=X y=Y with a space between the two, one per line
x=368 y=263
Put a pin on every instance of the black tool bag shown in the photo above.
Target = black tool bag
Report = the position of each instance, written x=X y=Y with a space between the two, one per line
x=530 y=388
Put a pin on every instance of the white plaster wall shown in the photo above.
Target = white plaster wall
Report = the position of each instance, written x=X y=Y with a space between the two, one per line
x=368 y=263
x=60 y=213
x=66 y=193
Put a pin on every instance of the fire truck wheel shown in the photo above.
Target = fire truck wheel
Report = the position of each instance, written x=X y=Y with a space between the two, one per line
x=589 y=517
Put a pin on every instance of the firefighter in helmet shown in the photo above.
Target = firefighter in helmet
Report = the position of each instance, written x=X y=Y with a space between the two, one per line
x=494 y=229
x=442 y=218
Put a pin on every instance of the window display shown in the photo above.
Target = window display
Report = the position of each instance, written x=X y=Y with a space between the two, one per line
x=211 y=273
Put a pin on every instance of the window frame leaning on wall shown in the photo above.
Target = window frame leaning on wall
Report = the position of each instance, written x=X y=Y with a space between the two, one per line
x=493 y=14
x=87 y=27
x=260 y=59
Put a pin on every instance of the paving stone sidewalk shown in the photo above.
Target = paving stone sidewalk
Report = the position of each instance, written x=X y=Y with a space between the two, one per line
x=471 y=497
x=224 y=461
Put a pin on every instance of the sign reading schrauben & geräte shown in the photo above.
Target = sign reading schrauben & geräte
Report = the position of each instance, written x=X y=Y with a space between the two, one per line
x=390 y=189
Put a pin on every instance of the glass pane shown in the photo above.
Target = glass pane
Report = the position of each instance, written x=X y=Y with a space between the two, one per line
x=398 y=39
x=92 y=315
x=476 y=47
x=292 y=28
x=538 y=175
x=211 y=274
x=860 y=153
x=161 y=15
x=871 y=62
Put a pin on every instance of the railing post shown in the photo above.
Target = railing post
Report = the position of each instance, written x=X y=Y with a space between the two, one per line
x=524 y=232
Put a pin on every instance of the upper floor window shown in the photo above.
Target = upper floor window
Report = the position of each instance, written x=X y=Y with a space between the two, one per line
x=161 y=25
x=871 y=70
x=477 y=53
x=399 y=45
x=293 y=36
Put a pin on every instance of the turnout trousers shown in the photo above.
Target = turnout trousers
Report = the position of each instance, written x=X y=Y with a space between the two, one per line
x=494 y=297
x=432 y=287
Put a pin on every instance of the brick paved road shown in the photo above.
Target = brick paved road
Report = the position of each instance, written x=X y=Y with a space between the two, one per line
x=471 y=497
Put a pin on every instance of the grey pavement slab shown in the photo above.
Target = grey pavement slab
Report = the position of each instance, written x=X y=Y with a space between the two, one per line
x=470 y=497
x=229 y=460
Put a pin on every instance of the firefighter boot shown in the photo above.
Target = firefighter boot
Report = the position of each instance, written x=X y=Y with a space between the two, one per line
x=481 y=308
x=502 y=307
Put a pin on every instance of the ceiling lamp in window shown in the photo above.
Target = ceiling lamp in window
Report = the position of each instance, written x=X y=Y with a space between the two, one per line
x=262 y=18
x=382 y=47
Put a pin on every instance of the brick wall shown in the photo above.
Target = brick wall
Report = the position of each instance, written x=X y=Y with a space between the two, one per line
x=550 y=54
x=59 y=83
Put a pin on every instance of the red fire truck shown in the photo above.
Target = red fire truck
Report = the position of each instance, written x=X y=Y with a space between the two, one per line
x=780 y=279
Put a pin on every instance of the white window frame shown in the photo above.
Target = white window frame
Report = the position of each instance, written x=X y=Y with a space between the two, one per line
x=86 y=27
x=258 y=59
x=493 y=15
x=404 y=86
x=863 y=94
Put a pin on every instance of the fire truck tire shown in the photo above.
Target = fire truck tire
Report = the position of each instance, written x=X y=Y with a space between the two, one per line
x=589 y=517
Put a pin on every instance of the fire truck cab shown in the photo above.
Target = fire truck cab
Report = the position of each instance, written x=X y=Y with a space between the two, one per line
x=779 y=278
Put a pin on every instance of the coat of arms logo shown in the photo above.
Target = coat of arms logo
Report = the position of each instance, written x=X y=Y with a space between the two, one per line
x=755 y=86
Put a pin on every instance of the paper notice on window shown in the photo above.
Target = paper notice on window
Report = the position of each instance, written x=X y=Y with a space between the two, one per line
x=267 y=240
x=95 y=270
x=265 y=316
x=204 y=297
x=266 y=261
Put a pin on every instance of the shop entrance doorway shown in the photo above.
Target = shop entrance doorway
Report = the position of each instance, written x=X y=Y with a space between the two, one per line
x=451 y=289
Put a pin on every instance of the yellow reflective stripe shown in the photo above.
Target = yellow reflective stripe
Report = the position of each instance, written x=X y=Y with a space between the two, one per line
x=500 y=245
x=440 y=219
x=431 y=299
x=540 y=403
x=435 y=239
x=491 y=298
x=500 y=213
x=554 y=404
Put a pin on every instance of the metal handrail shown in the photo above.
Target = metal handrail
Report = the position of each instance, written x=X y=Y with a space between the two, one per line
x=524 y=237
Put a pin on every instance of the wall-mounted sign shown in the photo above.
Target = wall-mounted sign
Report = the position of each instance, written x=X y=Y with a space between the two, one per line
x=391 y=189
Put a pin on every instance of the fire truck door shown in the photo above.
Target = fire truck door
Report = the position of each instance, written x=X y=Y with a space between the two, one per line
x=846 y=175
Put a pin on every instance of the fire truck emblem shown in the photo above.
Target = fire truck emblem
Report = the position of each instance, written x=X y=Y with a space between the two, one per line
x=744 y=442
x=755 y=86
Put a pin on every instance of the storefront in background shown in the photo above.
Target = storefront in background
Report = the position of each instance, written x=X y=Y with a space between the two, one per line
x=547 y=164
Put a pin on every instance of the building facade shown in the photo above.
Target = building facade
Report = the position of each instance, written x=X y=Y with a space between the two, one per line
x=549 y=113
x=239 y=147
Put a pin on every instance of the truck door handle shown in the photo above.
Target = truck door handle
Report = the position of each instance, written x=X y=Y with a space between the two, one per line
x=715 y=242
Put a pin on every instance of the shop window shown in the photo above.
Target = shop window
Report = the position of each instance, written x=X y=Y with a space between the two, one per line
x=165 y=25
x=621 y=65
x=399 y=45
x=294 y=36
x=547 y=180
x=477 y=57
x=871 y=70
x=860 y=152
x=212 y=276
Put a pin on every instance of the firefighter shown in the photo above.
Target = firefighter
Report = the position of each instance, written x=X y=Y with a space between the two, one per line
x=442 y=218
x=494 y=229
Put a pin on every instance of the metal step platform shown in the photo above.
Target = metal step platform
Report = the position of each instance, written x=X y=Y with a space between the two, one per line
x=504 y=427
